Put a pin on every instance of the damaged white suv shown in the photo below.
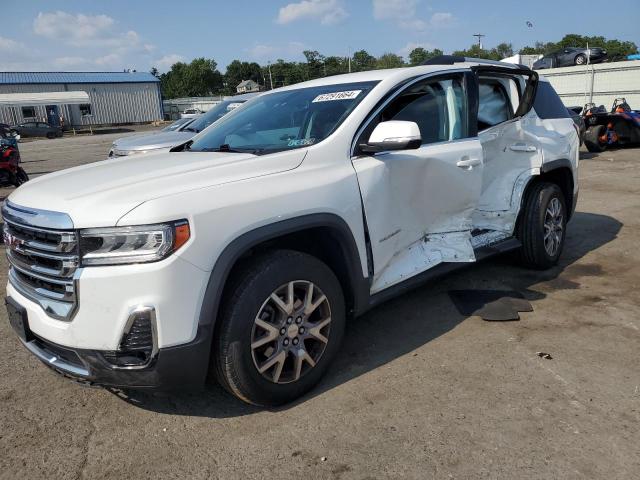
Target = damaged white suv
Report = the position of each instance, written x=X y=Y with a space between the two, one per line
x=240 y=254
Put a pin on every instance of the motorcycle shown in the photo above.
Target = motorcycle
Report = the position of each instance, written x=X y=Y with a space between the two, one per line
x=11 y=173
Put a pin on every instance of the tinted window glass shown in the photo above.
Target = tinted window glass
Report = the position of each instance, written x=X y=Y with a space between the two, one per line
x=494 y=106
x=216 y=113
x=547 y=103
x=438 y=107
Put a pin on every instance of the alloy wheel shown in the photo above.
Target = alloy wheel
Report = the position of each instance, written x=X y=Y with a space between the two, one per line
x=291 y=331
x=553 y=227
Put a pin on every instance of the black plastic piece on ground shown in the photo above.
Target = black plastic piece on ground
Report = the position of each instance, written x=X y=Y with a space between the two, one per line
x=491 y=305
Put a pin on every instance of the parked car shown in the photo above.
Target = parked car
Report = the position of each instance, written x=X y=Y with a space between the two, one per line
x=576 y=115
x=164 y=139
x=37 y=129
x=570 y=56
x=242 y=253
x=191 y=112
x=181 y=122
x=11 y=173
x=619 y=127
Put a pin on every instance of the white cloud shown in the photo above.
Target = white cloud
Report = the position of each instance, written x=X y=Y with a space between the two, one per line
x=328 y=11
x=111 y=60
x=66 y=27
x=165 y=62
x=441 y=19
x=271 y=52
x=404 y=51
x=404 y=13
x=64 y=63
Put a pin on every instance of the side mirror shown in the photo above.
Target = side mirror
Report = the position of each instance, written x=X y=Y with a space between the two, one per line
x=393 y=135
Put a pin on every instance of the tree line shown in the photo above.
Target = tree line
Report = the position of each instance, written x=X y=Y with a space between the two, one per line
x=201 y=77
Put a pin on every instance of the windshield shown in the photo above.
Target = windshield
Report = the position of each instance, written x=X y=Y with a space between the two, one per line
x=284 y=120
x=177 y=124
x=214 y=114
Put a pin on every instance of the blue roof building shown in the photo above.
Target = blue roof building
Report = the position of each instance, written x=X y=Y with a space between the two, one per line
x=114 y=98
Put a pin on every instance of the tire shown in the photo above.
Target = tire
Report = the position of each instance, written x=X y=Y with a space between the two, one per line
x=536 y=220
x=580 y=59
x=238 y=355
x=21 y=177
x=592 y=138
x=51 y=135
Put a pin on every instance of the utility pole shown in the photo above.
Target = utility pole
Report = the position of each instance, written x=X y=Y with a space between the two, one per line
x=270 y=77
x=479 y=35
x=349 y=59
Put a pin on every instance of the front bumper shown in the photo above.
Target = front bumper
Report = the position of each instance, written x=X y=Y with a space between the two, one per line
x=181 y=367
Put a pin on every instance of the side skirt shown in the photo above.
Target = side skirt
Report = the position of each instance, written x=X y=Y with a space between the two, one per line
x=481 y=253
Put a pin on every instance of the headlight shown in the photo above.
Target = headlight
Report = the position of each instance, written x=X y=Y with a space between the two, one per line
x=125 y=153
x=139 y=244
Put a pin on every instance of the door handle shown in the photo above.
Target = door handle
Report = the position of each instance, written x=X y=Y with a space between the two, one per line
x=522 y=147
x=468 y=163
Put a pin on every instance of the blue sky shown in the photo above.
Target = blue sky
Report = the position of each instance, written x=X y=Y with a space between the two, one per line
x=117 y=34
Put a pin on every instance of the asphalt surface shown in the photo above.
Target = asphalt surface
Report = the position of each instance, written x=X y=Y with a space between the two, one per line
x=419 y=391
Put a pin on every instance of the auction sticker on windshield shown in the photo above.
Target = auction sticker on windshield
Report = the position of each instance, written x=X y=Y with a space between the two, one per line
x=332 y=97
x=233 y=106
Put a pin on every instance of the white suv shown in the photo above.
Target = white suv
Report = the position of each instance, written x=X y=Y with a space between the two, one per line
x=242 y=253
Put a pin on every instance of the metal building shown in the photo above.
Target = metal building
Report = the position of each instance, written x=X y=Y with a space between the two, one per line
x=600 y=83
x=114 y=97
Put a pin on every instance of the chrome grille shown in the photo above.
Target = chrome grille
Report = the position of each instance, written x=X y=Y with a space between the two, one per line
x=43 y=260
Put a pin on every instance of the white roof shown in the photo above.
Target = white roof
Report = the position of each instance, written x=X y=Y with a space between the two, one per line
x=45 y=98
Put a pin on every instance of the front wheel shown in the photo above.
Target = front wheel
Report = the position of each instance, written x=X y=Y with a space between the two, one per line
x=580 y=59
x=281 y=326
x=542 y=227
x=595 y=138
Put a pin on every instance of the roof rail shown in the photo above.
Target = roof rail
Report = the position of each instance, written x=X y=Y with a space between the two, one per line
x=444 y=60
x=453 y=59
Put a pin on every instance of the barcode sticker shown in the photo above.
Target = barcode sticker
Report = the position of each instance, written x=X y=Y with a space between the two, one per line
x=332 y=97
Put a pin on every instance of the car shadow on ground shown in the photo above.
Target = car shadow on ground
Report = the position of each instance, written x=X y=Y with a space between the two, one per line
x=410 y=321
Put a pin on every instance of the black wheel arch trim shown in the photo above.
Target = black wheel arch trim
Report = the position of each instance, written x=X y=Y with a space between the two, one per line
x=547 y=168
x=243 y=243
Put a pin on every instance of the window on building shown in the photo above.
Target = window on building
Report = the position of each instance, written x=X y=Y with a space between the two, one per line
x=29 y=112
x=85 y=109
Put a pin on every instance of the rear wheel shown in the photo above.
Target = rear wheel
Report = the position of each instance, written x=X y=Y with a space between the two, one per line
x=580 y=59
x=51 y=135
x=595 y=138
x=281 y=326
x=542 y=227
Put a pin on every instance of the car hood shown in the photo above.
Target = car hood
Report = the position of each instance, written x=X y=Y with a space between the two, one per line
x=99 y=194
x=153 y=140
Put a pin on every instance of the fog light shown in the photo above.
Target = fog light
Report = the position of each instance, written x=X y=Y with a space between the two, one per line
x=139 y=345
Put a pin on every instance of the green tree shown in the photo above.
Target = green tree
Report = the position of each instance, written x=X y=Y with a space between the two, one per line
x=196 y=79
x=154 y=72
x=389 y=60
x=362 y=61
x=419 y=55
x=315 y=64
x=237 y=71
x=503 y=50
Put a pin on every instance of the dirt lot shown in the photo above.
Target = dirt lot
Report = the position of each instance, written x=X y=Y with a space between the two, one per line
x=419 y=391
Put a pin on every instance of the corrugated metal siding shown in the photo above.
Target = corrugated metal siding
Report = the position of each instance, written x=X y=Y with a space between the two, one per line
x=610 y=80
x=76 y=77
x=110 y=103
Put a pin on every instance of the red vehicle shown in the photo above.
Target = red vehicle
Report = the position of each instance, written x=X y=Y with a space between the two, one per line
x=11 y=173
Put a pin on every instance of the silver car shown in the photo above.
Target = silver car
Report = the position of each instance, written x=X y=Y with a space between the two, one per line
x=166 y=138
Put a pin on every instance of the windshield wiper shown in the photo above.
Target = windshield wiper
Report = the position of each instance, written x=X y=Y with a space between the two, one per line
x=227 y=149
x=189 y=129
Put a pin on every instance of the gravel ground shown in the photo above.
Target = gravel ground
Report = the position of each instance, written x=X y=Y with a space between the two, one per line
x=419 y=391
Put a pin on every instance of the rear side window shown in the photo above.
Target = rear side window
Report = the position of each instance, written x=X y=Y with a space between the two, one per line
x=494 y=105
x=547 y=103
